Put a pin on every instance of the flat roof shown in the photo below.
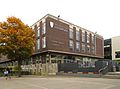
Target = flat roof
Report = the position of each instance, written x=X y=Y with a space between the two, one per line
x=66 y=22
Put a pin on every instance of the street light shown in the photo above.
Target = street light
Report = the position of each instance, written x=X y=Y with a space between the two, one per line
x=58 y=17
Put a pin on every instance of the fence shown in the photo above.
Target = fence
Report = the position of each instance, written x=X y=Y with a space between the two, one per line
x=74 y=67
x=41 y=69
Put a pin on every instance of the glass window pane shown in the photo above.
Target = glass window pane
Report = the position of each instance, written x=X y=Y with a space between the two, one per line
x=83 y=47
x=38 y=31
x=71 y=33
x=77 y=46
x=71 y=44
x=44 y=42
x=77 y=35
x=93 y=49
x=83 y=36
x=44 y=28
x=88 y=48
x=88 y=38
x=38 y=44
x=93 y=39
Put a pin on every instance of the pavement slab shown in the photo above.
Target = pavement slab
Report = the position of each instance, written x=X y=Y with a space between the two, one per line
x=59 y=83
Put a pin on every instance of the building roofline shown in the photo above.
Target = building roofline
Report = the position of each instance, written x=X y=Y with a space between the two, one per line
x=115 y=37
x=40 y=20
x=64 y=21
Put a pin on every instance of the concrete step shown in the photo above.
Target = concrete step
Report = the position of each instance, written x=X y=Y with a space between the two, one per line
x=112 y=75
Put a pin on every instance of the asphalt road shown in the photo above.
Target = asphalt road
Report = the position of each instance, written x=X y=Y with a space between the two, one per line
x=59 y=83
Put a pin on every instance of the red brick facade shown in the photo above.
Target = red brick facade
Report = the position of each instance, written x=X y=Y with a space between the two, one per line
x=58 y=40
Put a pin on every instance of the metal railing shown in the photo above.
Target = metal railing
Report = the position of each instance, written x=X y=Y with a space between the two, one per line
x=103 y=70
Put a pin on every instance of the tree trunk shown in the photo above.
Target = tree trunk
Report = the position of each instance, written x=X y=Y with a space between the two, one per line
x=19 y=67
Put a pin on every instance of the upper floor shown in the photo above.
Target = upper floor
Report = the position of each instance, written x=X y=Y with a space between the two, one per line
x=57 y=35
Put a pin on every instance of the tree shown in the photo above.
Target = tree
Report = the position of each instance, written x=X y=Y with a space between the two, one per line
x=16 y=40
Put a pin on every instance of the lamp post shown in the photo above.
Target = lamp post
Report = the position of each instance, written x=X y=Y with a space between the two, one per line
x=58 y=17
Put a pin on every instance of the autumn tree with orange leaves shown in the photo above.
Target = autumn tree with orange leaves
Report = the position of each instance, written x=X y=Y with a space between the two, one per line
x=16 y=40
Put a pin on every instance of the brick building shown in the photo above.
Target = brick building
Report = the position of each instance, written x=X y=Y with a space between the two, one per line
x=59 y=41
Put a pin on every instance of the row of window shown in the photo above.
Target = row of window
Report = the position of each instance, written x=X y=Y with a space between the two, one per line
x=43 y=43
x=83 y=49
x=43 y=37
x=71 y=34
x=43 y=29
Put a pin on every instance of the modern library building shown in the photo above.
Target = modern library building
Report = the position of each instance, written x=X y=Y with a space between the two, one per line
x=59 y=41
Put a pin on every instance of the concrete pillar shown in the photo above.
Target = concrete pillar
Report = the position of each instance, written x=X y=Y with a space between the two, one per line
x=49 y=58
x=62 y=60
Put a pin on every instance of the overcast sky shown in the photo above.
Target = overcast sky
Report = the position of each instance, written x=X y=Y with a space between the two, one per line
x=101 y=16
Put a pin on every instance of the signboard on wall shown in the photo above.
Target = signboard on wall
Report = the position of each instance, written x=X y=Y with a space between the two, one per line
x=58 y=26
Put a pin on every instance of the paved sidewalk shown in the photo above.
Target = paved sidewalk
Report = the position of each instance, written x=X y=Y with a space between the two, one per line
x=59 y=83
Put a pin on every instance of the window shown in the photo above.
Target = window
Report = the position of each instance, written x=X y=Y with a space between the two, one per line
x=88 y=62
x=77 y=46
x=117 y=54
x=88 y=38
x=88 y=48
x=71 y=33
x=44 y=28
x=83 y=47
x=93 y=49
x=38 y=44
x=44 y=42
x=83 y=36
x=71 y=44
x=93 y=39
x=38 y=31
x=77 y=35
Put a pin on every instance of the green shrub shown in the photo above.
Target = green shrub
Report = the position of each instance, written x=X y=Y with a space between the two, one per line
x=1 y=74
x=16 y=68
